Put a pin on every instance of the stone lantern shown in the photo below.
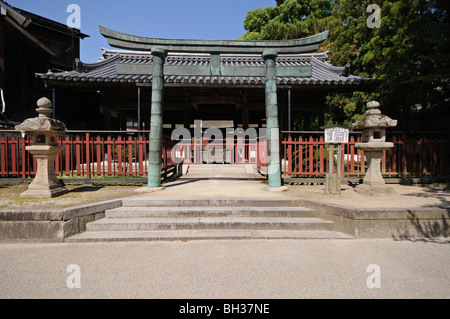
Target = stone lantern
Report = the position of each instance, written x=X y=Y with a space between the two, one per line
x=373 y=125
x=44 y=132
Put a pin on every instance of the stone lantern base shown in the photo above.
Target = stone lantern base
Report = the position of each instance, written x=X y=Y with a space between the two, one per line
x=373 y=183
x=44 y=193
x=368 y=190
x=45 y=184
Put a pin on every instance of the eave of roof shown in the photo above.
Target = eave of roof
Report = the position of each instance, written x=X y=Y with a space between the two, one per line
x=24 y=18
x=104 y=71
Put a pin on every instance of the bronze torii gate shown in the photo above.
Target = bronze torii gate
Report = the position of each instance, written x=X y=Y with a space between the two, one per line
x=269 y=51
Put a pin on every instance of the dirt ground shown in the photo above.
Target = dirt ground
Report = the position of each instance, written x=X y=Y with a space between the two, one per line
x=77 y=195
x=405 y=196
x=433 y=195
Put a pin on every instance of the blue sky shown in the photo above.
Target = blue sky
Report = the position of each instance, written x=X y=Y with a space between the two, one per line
x=175 y=19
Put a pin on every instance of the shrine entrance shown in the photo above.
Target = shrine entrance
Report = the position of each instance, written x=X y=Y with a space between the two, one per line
x=218 y=134
x=201 y=89
x=214 y=71
x=216 y=144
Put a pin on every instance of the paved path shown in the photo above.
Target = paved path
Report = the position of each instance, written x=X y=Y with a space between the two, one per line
x=217 y=184
x=227 y=269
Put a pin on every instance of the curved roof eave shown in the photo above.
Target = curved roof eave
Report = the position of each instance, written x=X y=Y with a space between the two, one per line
x=131 y=42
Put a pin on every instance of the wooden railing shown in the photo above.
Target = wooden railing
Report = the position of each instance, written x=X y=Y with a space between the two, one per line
x=303 y=155
x=226 y=151
x=91 y=154
x=86 y=154
x=262 y=162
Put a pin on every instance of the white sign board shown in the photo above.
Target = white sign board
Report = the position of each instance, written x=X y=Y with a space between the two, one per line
x=336 y=135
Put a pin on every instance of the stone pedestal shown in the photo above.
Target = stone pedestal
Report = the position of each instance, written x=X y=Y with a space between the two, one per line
x=373 y=183
x=45 y=183
x=332 y=179
x=332 y=184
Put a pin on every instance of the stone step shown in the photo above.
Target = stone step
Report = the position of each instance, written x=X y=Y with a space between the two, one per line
x=248 y=223
x=205 y=234
x=225 y=167
x=203 y=211
x=186 y=218
x=214 y=169
x=221 y=165
x=209 y=202
x=215 y=172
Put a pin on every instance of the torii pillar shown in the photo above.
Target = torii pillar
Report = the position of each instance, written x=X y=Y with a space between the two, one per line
x=156 y=120
x=272 y=125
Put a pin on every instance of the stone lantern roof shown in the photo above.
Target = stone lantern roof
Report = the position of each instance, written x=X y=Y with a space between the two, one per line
x=373 y=118
x=42 y=123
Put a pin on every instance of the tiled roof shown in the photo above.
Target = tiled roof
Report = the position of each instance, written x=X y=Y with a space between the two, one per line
x=24 y=18
x=323 y=73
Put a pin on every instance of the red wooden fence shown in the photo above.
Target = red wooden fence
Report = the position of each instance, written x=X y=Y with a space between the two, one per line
x=86 y=156
x=308 y=157
x=230 y=150
x=92 y=154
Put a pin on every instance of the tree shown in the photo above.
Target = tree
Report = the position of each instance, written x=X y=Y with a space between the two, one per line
x=410 y=52
x=348 y=38
x=289 y=19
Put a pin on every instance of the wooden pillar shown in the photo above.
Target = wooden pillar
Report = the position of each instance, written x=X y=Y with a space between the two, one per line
x=122 y=121
x=289 y=128
x=139 y=108
x=244 y=118
x=322 y=117
x=307 y=121
x=156 y=120
x=187 y=116
x=273 y=129
x=2 y=54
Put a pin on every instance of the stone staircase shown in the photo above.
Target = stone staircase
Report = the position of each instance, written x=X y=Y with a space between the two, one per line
x=151 y=218
x=214 y=169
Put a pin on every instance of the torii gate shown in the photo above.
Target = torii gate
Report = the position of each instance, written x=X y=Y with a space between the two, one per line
x=269 y=51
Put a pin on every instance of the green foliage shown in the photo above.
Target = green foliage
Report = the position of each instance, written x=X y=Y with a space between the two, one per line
x=290 y=19
x=410 y=52
x=256 y=19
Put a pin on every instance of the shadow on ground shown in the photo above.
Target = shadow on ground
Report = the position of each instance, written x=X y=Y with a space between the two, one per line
x=433 y=229
x=188 y=180
x=426 y=230
x=85 y=189
x=441 y=194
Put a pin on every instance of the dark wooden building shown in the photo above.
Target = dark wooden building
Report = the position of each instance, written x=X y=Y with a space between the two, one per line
x=28 y=44
x=237 y=101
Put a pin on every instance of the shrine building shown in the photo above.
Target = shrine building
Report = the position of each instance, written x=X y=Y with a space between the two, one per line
x=162 y=84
